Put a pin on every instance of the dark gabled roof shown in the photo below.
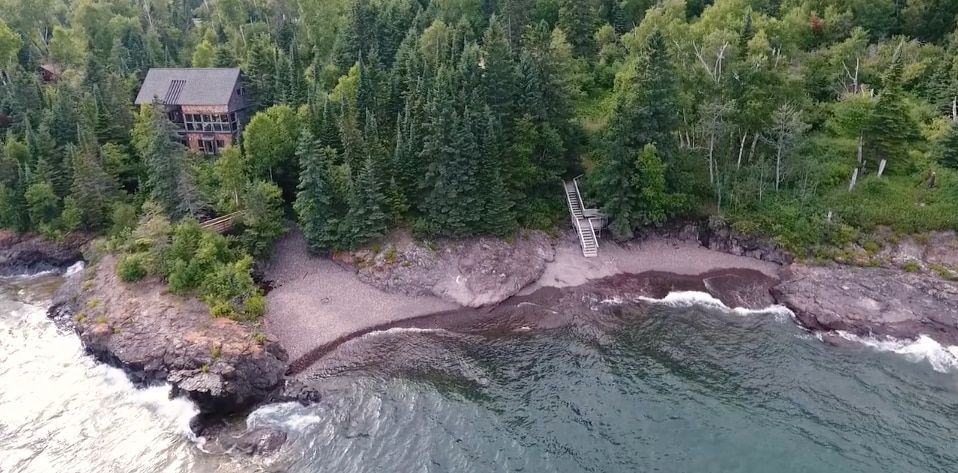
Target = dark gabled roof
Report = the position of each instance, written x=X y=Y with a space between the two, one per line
x=197 y=86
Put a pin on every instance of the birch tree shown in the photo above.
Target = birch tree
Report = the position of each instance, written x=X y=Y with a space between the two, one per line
x=785 y=136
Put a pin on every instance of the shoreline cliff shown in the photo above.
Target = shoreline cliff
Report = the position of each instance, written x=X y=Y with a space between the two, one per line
x=227 y=368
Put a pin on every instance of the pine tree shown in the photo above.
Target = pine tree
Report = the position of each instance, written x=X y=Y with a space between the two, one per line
x=383 y=170
x=351 y=139
x=366 y=219
x=92 y=187
x=409 y=164
x=355 y=39
x=329 y=127
x=223 y=56
x=61 y=119
x=948 y=147
x=498 y=80
x=578 y=19
x=451 y=202
x=644 y=115
x=317 y=216
x=158 y=145
x=261 y=71
x=891 y=127
x=497 y=216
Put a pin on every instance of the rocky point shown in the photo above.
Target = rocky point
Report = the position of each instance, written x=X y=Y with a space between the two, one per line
x=221 y=365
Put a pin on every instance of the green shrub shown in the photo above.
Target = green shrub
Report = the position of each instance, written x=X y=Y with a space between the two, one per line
x=745 y=227
x=911 y=266
x=220 y=309
x=192 y=261
x=255 y=306
x=259 y=337
x=130 y=268
x=871 y=244
x=941 y=270
x=216 y=351
x=391 y=254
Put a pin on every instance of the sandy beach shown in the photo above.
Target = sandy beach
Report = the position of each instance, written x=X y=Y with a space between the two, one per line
x=570 y=268
x=316 y=302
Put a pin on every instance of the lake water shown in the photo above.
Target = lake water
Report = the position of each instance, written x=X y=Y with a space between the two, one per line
x=679 y=385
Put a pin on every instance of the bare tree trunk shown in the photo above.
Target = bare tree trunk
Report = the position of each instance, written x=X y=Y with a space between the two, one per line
x=761 y=184
x=712 y=158
x=741 y=151
x=861 y=143
x=779 y=150
x=751 y=153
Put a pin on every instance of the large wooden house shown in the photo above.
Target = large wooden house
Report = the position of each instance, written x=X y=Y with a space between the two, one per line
x=209 y=106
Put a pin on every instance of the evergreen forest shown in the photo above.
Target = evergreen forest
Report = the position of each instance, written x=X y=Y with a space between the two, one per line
x=458 y=118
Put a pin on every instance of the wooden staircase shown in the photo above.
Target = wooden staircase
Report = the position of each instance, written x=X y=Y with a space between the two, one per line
x=583 y=225
x=220 y=225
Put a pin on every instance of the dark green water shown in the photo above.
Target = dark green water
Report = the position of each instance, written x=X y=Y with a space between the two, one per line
x=612 y=388
x=624 y=389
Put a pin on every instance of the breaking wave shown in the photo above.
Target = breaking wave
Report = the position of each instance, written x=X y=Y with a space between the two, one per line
x=681 y=299
x=943 y=359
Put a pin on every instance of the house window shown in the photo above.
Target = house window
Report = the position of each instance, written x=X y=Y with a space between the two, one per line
x=208 y=146
x=241 y=90
x=220 y=144
x=216 y=123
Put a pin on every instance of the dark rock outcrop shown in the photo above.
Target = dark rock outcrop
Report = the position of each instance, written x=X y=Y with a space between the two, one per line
x=871 y=301
x=718 y=236
x=222 y=366
x=715 y=234
x=261 y=441
x=21 y=253
x=471 y=272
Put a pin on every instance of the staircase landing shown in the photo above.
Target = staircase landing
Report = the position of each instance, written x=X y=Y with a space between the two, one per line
x=584 y=226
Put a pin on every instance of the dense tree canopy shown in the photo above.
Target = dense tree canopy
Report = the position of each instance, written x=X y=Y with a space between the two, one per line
x=461 y=117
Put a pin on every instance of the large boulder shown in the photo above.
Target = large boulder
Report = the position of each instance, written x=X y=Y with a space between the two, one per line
x=221 y=365
x=471 y=272
x=261 y=441
x=871 y=301
x=25 y=253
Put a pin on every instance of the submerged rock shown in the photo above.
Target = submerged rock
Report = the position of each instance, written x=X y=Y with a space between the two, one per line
x=154 y=336
x=871 y=302
x=21 y=254
x=261 y=441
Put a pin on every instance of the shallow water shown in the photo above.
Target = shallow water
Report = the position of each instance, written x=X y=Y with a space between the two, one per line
x=681 y=385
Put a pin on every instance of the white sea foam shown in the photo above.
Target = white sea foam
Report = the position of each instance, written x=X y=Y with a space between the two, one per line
x=942 y=358
x=78 y=415
x=697 y=298
x=290 y=416
x=402 y=330
x=74 y=268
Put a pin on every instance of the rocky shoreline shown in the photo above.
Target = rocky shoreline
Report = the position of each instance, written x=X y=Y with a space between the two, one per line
x=228 y=368
x=223 y=367
x=28 y=253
